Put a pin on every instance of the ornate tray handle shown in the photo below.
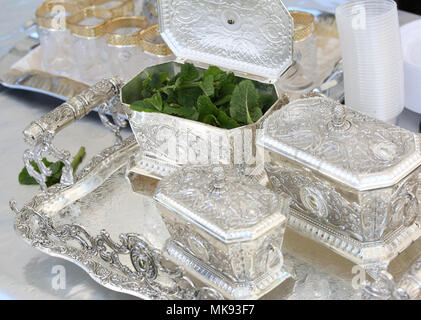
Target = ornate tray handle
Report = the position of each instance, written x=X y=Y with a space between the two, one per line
x=39 y=134
x=386 y=288
x=147 y=262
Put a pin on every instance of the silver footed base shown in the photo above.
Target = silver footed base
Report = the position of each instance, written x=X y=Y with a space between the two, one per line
x=244 y=290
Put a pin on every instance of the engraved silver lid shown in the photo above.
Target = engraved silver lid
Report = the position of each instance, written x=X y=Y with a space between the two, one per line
x=222 y=202
x=345 y=145
x=249 y=36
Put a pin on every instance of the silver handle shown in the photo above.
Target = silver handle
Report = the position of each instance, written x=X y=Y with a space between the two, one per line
x=408 y=288
x=39 y=134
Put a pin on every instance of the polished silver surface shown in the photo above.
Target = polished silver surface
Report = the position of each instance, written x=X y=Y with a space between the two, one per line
x=342 y=144
x=127 y=263
x=72 y=219
x=225 y=228
x=354 y=180
x=173 y=141
x=254 y=37
x=93 y=191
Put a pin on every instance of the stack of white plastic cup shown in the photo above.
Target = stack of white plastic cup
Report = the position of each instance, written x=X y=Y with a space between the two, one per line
x=373 y=64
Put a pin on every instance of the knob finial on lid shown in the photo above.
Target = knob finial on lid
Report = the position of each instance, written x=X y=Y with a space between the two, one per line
x=339 y=122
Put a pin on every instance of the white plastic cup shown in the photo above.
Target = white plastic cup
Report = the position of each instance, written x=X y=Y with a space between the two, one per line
x=373 y=64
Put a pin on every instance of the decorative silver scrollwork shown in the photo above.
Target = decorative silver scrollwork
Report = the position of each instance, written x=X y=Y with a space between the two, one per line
x=384 y=287
x=147 y=261
x=112 y=107
x=35 y=154
x=40 y=134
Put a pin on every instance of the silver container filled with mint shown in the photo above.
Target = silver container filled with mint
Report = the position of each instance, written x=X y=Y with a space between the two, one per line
x=225 y=229
x=353 y=179
x=253 y=39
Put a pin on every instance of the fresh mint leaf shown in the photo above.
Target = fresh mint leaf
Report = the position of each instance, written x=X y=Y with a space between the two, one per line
x=266 y=101
x=228 y=89
x=218 y=98
x=225 y=121
x=205 y=107
x=147 y=90
x=156 y=101
x=78 y=158
x=211 y=120
x=223 y=100
x=213 y=71
x=142 y=106
x=55 y=167
x=156 y=81
x=171 y=96
x=146 y=93
x=244 y=106
x=178 y=82
x=152 y=104
x=163 y=77
x=225 y=108
x=189 y=72
x=210 y=114
x=188 y=96
x=178 y=110
x=194 y=116
x=207 y=85
x=227 y=78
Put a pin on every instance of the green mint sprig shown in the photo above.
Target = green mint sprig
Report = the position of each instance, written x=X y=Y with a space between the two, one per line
x=55 y=167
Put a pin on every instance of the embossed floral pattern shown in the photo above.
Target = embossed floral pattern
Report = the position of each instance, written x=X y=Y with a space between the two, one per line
x=240 y=203
x=253 y=36
x=369 y=154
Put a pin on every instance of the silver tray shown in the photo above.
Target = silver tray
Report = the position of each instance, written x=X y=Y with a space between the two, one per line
x=21 y=68
x=103 y=227
x=115 y=233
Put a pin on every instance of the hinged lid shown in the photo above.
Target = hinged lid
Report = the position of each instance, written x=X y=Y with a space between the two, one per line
x=343 y=144
x=222 y=202
x=249 y=36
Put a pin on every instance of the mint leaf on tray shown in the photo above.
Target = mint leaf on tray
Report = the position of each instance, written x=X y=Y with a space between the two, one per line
x=55 y=167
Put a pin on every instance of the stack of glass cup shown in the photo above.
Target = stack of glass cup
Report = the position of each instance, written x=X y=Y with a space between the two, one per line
x=118 y=8
x=87 y=40
x=156 y=50
x=301 y=76
x=123 y=38
x=88 y=29
x=372 y=55
x=55 y=36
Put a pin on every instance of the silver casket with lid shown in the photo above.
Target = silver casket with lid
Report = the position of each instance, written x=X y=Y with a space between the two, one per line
x=253 y=39
x=225 y=229
x=353 y=179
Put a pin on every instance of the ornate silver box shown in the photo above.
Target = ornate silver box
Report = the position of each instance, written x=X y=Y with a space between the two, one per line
x=353 y=179
x=225 y=229
x=253 y=39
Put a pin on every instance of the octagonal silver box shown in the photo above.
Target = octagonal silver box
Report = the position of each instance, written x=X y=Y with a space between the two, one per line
x=354 y=180
x=225 y=228
x=251 y=38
